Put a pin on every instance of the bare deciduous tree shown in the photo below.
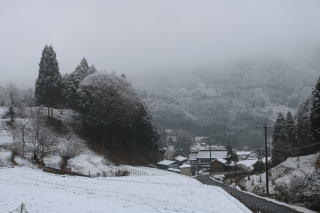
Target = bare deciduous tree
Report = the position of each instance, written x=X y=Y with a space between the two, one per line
x=40 y=141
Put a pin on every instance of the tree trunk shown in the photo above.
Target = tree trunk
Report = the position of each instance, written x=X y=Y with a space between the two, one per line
x=104 y=137
x=113 y=137
x=134 y=139
x=23 y=143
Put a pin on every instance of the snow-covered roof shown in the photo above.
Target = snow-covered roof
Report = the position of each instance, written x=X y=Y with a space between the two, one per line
x=193 y=156
x=184 y=166
x=214 y=154
x=244 y=152
x=199 y=138
x=180 y=158
x=166 y=162
x=222 y=160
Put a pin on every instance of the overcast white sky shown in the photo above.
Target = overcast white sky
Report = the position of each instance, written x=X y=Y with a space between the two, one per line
x=147 y=35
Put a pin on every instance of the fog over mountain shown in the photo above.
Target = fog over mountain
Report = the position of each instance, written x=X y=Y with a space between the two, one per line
x=202 y=66
x=152 y=36
x=229 y=101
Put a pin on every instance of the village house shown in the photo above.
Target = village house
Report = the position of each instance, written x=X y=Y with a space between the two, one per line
x=166 y=164
x=180 y=159
x=202 y=159
x=179 y=167
x=185 y=169
x=220 y=165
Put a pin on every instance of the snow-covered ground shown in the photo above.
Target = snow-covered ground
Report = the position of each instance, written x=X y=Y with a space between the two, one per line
x=250 y=162
x=166 y=192
x=295 y=181
x=284 y=174
x=145 y=190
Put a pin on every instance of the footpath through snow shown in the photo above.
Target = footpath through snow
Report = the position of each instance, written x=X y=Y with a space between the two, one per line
x=45 y=192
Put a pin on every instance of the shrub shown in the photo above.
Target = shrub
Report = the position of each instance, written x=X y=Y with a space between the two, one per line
x=120 y=173
x=317 y=162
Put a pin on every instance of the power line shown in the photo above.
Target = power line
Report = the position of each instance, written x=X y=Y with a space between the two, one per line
x=297 y=147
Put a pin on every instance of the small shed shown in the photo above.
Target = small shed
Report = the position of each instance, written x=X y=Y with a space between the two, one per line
x=185 y=169
x=165 y=164
x=218 y=165
x=180 y=159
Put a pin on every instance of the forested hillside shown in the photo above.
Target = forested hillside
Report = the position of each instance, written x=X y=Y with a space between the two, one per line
x=228 y=99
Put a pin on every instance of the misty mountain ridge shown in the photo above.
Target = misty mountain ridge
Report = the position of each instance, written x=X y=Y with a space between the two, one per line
x=227 y=100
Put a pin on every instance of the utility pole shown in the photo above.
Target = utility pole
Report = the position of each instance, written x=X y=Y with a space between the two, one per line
x=265 y=126
x=210 y=155
x=210 y=148
x=266 y=154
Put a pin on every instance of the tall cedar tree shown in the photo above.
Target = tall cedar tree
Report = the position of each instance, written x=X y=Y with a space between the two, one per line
x=49 y=82
x=231 y=155
x=304 y=131
x=183 y=144
x=292 y=134
x=280 y=141
x=315 y=114
x=71 y=82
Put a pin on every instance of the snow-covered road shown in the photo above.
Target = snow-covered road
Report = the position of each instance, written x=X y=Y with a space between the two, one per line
x=44 y=192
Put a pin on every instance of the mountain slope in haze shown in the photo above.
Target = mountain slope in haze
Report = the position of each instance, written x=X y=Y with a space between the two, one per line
x=227 y=100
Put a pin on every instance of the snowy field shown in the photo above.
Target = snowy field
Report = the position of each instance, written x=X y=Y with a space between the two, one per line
x=44 y=192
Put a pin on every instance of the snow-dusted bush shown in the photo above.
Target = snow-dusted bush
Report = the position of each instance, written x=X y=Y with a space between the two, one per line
x=68 y=148
x=259 y=189
x=5 y=158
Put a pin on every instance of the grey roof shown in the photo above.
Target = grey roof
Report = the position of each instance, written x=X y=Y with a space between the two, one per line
x=205 y=154
x=166 y=162
x=180 y=158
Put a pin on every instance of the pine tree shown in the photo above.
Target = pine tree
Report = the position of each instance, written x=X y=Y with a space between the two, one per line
x=72 y=81
x=280 y=141
x=315 y=114
x=304 y=131
x=183 y=143
x=292 y=134
x=229 y=153
x=49 y=82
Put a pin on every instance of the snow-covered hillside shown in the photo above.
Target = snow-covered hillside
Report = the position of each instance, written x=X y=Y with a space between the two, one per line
x=166 y=192
x=237 y=96
x=84 y=161
x=295 y=180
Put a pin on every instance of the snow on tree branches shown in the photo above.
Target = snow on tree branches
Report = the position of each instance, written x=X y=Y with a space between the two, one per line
x=49 y=82
x=71 y=82
x=114 y=113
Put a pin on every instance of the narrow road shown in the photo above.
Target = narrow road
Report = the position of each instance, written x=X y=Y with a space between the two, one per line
x=254 y=203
